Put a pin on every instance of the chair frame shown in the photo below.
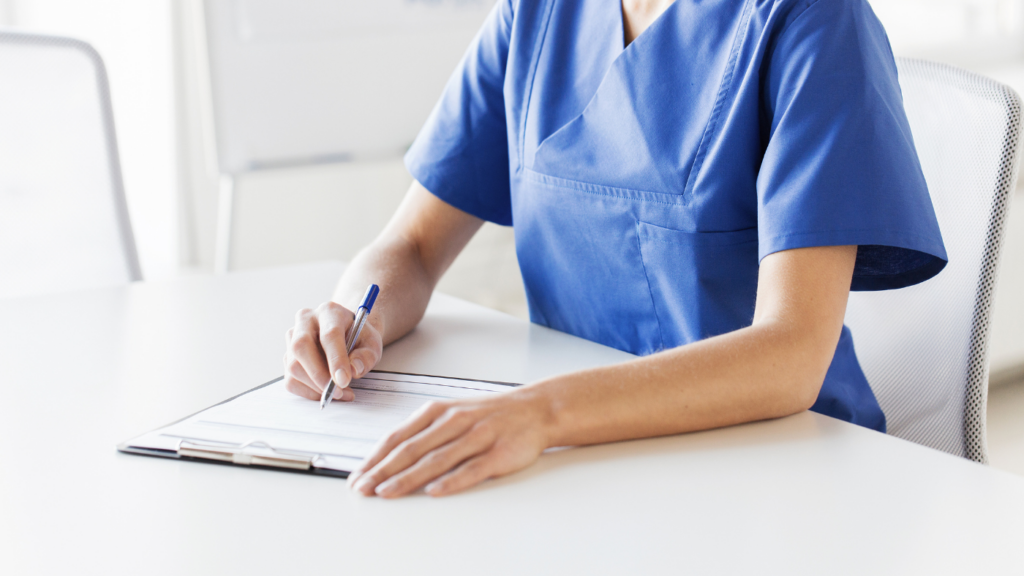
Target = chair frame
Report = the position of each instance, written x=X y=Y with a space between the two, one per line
x=129 y=250
x=976 y=390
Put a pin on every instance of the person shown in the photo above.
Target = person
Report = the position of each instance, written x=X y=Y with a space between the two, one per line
x=700 y=183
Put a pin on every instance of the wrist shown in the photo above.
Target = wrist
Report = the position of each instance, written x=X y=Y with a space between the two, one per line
x=544 y=404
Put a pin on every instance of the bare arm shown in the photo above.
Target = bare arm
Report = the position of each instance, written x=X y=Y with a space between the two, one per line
x=773 y=368
x=406 y=260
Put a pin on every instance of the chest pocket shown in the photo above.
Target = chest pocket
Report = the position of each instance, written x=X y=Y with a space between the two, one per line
x=702 y=283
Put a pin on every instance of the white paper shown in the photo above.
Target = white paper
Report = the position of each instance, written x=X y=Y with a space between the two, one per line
x=340 y=436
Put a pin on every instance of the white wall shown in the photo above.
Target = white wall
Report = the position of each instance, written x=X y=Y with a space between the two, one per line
x=309 y=213
x=1007 y=352
x=331 y=211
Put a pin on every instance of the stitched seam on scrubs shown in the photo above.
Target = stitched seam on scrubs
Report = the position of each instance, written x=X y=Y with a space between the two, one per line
x=782 y=33
x=538 y=49
x=725 y=88
x=794 y=18
x=650 y=290
x=601 y=190
x=901 y=233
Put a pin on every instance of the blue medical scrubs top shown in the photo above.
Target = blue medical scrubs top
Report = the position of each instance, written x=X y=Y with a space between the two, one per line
x=646 y=182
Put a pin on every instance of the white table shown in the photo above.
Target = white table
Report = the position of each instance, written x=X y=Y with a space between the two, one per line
x=83 y=371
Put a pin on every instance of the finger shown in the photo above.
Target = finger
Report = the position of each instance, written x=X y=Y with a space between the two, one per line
x=468 y=474
x=300 y=389
x=291 y=366
x=436 y=463
x=309 y=392
x=416 y=423
x=305 y=348
x=347 y=395
x=293 y=369
x=442 y=431
x=335 y=322
x=367 y=353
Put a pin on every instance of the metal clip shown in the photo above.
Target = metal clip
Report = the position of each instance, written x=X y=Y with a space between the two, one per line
x=265 y=454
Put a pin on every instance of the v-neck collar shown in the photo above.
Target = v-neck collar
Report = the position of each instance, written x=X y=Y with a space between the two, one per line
x=617 y=55
x=622 y=25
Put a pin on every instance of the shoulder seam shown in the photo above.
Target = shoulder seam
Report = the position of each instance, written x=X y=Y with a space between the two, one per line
x=797 y=16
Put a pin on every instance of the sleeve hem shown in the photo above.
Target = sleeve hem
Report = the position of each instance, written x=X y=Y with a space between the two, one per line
x=435 y=186
x=933 y=253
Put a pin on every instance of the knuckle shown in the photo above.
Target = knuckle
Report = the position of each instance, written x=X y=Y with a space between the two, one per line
x=334 y=360
x=294 y=367
x=407 y=449
x=458 y=415
x=429 y=458
x=477 y=467
x=303 y=313
x=329 y=307
x=332 y=331
x=483 y=428
x=415 y=448
x=436 y=459
x=303 y=340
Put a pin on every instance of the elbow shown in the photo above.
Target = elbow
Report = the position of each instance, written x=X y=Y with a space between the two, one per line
x=808 y=362
x=814 y=362
x=806 y=394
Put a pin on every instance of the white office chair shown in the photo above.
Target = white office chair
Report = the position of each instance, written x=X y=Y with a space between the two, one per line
x=63 y=219
x=924 y=348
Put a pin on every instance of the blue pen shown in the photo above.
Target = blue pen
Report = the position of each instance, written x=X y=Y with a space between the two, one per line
x=362 y=313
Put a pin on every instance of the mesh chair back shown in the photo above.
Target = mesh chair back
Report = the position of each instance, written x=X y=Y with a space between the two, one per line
x=924 y=348
x=63 y=219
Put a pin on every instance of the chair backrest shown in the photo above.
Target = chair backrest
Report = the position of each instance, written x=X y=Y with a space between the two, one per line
x=924 y=348
x=63 y=219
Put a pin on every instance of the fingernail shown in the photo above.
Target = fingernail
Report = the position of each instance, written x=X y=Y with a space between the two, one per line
x=361 y=484
x=432 y=488
x=336 y=395
x=339 y=377
x=357 y=367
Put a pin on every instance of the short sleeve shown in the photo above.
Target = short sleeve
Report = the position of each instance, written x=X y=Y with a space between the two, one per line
x=461 y=153
x=840 y=167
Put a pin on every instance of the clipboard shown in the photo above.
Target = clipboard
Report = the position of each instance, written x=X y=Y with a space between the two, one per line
x=257 y=452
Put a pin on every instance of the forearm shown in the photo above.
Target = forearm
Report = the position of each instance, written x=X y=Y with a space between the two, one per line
x=763 y=371
x=408 y=258
x=405 y=285
x=772 y=368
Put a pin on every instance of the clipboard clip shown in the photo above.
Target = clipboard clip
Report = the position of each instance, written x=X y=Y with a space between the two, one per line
x=255 y=453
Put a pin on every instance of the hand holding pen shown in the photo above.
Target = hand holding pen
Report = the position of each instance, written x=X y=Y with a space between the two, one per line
x=362 y=313
x=330 y=346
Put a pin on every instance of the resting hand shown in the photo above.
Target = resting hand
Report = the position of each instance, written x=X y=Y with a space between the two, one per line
x=452 y=445
x=315 y=351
